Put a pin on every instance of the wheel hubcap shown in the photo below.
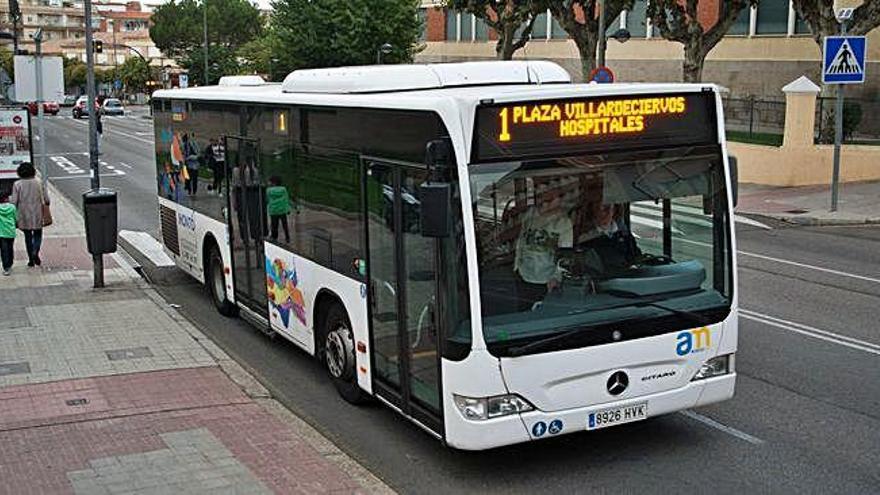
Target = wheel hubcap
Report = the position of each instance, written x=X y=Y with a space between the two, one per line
x=337 y=349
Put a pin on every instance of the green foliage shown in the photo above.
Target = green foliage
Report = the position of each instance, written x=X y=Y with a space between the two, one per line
x=333 y=33
x=74 y=73
x=6 y=62
x=134 y=73
x=255 y=56
x=177 y=30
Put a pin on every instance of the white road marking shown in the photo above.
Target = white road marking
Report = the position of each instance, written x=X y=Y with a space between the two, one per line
x=65 y=164
x=132 y=136
x=806 y=330
x=88 y=176
x=749 y=221
x=125 y=165
x=722 y=427
x=812 y=267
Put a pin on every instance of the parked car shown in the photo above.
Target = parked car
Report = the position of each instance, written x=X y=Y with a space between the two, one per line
x=69 y=101
x=113 y=106
x=80 y=109
x=49 y=107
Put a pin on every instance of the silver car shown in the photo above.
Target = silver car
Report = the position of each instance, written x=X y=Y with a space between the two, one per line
x=112 y=106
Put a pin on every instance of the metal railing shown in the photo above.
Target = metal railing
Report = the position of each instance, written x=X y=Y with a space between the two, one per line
x=750 y=119
x=861 y=121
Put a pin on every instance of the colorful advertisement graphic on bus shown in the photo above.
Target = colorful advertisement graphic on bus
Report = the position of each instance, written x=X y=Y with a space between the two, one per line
x=15 y=141
x=285 y=297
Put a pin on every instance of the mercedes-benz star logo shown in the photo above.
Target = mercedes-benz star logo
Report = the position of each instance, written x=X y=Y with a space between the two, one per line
x=617 y=383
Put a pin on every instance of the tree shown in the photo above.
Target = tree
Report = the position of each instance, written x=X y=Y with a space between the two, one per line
x=580 y=19
x=512 y=20
x=134 y=73
x=7 y=62
x=74 y=73
x=177 y=30
x=256 y=57
x=678 y=21
x=333 y=33
x=820 y=16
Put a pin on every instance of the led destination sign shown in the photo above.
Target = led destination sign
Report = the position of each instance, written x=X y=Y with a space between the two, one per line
x=547 y=128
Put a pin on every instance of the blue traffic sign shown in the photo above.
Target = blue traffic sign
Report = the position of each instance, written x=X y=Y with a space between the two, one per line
x=843 y=60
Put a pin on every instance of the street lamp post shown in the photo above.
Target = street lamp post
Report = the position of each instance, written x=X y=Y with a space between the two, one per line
x=385 y=49
x=205 y=30
x=97 y=259
x=600 y=48
x=38 y=69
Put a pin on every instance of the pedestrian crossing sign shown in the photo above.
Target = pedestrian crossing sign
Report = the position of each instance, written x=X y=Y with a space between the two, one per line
x=843 y=60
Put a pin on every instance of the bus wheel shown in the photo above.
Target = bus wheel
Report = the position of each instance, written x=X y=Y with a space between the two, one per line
x=216 y=282
x=339 y=355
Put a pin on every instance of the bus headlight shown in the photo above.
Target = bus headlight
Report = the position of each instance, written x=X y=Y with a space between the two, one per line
x=481 y=408
x=714 y=367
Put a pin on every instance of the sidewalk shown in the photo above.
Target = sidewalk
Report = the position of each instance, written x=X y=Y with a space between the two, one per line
x=112 y=391
x=859 y=203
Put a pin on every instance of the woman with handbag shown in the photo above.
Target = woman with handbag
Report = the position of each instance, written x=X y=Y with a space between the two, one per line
x=32 y=202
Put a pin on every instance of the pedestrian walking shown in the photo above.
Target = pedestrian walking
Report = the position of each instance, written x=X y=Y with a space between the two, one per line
x=32 y=203
x=191 y=154
x=278 y=206
x=218 y=154
x=8 y=218
x=99 y=127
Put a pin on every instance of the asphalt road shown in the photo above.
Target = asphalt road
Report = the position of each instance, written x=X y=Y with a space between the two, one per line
x=805 y=419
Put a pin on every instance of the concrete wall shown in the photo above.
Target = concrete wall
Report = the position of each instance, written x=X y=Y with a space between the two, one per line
x=756 y=65
x=803 y=166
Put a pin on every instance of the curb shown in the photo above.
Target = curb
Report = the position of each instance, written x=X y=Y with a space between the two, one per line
x=814 y=221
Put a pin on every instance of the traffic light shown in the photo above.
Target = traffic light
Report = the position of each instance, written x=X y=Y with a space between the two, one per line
x=98 y=45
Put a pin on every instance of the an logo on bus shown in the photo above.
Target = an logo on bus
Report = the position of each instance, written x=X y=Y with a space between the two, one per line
x=692 y=341
x=186 y=221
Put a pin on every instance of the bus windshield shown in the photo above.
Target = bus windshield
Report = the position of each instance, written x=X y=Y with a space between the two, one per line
x=594 y=249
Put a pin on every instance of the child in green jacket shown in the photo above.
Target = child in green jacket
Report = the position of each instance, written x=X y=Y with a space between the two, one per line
x=278 y=206
x=8 y=219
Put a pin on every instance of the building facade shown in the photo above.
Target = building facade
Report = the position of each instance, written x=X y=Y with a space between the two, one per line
x=767 y=47
x=122 y=27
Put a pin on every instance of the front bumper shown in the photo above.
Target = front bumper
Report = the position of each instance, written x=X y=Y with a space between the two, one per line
x=508 y=430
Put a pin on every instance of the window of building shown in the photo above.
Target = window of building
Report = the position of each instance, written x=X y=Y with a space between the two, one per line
x=557 y=32
x=467 y=31
x=772 y=17
x=636 y=19
x=539 y=28
x=741 y=25
x=800 y=25
x=451 y=25
x=482 y=32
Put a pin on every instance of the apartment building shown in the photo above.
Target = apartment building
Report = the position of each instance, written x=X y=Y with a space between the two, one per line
x=767 y=47
x=123 y=27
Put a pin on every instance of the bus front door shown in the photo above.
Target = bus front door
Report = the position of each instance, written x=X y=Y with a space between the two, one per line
x=403 y=293
x=247 y=222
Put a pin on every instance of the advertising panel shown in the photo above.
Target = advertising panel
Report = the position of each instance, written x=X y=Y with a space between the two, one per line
x=15 y=141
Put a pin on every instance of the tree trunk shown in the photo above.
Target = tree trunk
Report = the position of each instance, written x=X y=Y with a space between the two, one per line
x=586 y=46
x=694 y=58
x=504 y=48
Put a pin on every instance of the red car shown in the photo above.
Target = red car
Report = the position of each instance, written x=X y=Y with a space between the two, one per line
x=50 y=107
x=80 y=110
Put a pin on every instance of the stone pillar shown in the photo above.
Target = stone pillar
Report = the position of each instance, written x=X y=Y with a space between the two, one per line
x=800 y=112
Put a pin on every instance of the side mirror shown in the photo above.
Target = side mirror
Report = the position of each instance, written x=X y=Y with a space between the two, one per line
x=734 y=179
x=436 y=209
x=436 y=194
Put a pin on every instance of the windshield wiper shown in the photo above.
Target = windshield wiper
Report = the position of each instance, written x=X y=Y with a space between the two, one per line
x=693 y=316
x=537 y=344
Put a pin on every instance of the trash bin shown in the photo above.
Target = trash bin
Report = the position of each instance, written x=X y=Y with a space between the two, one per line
x=99 y=207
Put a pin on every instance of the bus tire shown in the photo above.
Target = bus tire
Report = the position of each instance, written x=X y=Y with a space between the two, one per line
x=339 y=355
x=215 y=280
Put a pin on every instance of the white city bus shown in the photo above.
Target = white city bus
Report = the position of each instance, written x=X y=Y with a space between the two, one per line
x=494 y=252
